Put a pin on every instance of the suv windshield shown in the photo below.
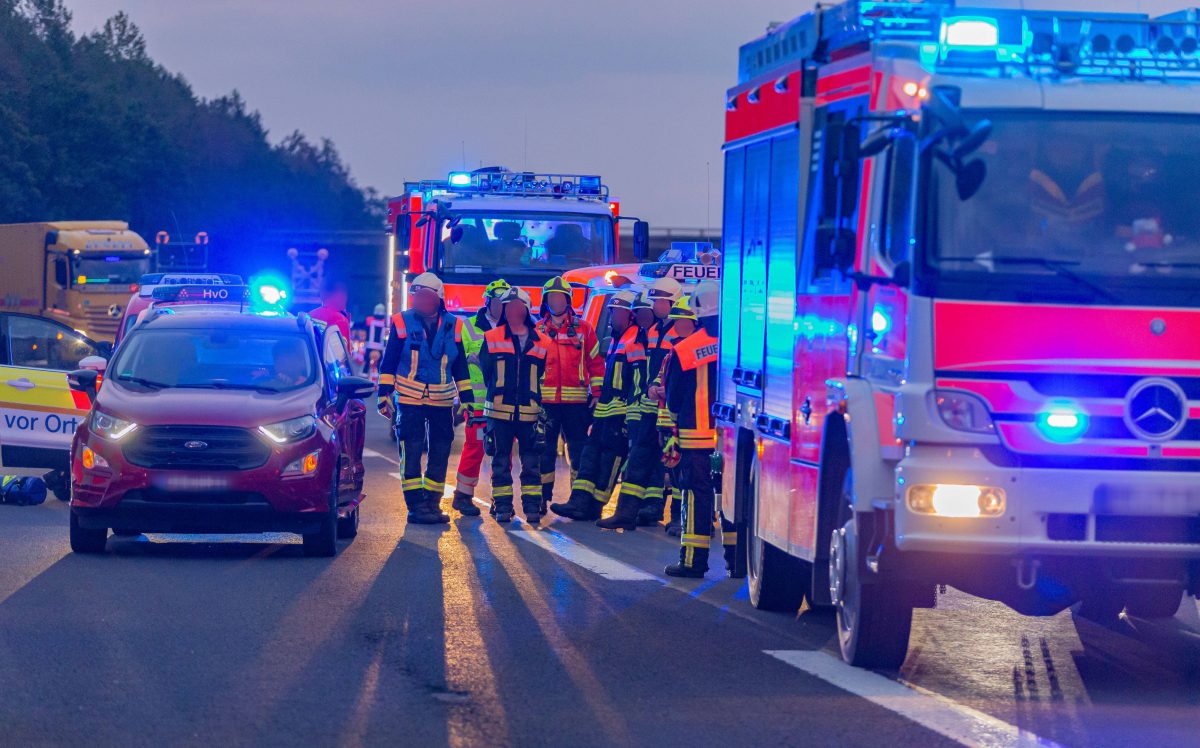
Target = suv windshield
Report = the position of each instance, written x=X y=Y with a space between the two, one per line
x=215 y=359
x=1088 y=207
x=516 y=242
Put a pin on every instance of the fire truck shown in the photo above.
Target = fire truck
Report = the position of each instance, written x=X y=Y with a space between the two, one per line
x=525 y=227
x=960 y=313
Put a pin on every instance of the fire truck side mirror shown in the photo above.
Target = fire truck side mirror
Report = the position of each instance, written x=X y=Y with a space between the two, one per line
x=641 y=240
x=969 y=178
x=877 y=142
x=456 y=234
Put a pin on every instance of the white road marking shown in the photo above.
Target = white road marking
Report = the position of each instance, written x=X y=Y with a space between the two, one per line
x=368 y=452
x=580 y=555
x=932 y=711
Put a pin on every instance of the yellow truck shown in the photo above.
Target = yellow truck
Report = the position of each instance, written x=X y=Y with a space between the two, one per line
x=80 y=273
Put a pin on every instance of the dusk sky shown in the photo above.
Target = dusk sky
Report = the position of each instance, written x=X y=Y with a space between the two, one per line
x=630 y=89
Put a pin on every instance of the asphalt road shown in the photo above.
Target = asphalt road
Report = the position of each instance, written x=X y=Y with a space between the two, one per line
x=474 y=634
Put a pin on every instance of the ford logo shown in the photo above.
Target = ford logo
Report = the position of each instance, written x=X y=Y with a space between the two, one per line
x=195 y=445
x=1156 y=409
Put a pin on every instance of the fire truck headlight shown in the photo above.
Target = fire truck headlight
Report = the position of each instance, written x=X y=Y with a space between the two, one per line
x=964 y=412
x=952 y=500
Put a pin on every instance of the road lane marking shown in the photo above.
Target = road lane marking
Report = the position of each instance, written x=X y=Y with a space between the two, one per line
x=580 y=555
x=368 y=452
x=932 y=711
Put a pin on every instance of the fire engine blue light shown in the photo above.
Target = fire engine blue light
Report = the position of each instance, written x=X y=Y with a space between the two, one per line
x=970 y=32
x=1062 y=423
x=460 y=179
x=880 y=322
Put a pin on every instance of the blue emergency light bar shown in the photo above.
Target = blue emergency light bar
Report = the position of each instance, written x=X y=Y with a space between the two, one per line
x=990 y=41
x=496 y=180
x=204 y=294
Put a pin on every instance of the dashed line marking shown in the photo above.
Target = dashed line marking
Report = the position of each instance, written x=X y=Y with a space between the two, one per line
x=932 y=711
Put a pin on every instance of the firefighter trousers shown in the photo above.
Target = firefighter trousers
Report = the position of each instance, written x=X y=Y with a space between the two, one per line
x=645 y=474
x=601 y=461
x=571 y=421
x=471 y=459
x=695 y=484
x=424 y=430
x=505 y=433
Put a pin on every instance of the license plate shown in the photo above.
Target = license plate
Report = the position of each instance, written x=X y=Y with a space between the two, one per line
x=1169 y=501
x=195 y=483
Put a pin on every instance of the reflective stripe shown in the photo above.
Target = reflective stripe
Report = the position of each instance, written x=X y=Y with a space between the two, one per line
x=637 y=492
x=531 y=491
x=501 y=491
x=386 y=379
x=547 y=478
x=695 y=541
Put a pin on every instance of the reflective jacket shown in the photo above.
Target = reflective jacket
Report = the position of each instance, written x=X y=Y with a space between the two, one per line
x=624 y=370
x=473 y=331
x=691 y=386
x=658 y=339
x=574 y=366
x=423 y=370
x=513 y=374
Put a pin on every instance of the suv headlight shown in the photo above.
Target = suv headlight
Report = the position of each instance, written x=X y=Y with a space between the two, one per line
x=963 y=412
x=291 y=430
x=111 y=427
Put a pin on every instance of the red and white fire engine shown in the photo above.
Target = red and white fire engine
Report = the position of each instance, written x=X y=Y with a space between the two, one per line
x=477 y=226
x=961 y=310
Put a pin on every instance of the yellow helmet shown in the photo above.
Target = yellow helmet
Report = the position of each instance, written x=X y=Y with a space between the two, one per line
x=556 y=285
x=682 y=309
x=495 y=289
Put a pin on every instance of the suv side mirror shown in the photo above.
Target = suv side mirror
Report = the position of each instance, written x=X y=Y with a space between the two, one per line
x=641 y=240
x=94 y=363
x=355 y=388
x=84 y=380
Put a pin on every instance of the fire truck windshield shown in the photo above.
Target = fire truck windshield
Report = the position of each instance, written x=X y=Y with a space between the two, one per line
x=1095 y=207
x=501 y=243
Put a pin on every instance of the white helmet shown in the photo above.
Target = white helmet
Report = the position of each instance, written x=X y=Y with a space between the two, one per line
x=666 y=288
x=706 y=299
x=430 y=281
x=380 y=310
x=623 y=300
x=516 y=293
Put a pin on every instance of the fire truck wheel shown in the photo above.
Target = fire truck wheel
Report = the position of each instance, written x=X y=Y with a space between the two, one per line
x=778 y=581
x=1154 y=602
x=1103 y=608
x=873 y=620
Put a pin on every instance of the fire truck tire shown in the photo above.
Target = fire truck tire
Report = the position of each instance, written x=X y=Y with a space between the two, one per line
x=1154 y=602
x=1102 y=608
x=777 y=581
x=873 y=620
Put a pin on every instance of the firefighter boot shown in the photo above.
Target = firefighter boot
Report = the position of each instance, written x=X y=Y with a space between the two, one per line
x=698 y=558
x=582 y=506
x=674 y=528
x=464 y=504
x=651 y=511
x=626 y=516
x=433 y=500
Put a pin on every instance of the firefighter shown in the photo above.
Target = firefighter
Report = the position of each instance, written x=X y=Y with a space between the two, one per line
x=690 y=386
x=608 y=441
x=425 y=365
x=376 y=327
x=645 y=476
x=513 y=362
x=470 y=460
x=683 y=321
x=574 y=373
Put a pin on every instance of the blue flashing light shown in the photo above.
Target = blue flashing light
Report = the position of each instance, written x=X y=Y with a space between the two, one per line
x=460 y=179
x=268 y=293
x=880 y=322
x=970 y=31
x=1062 y=423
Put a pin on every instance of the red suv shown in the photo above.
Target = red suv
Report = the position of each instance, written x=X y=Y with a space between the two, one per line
x=221 y=422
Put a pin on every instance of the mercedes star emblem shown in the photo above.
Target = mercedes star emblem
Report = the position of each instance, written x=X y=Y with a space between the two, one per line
x=114 y=311
x=1158 y=326
x=1156 y=409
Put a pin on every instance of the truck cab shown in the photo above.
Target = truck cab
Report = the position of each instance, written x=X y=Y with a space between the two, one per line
x=964 y=260
x=475 y=227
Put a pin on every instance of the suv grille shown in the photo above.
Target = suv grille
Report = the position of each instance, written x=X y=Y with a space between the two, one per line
x=165 y=448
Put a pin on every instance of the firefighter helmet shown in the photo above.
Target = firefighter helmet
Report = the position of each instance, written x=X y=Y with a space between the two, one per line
x=496 y=289
x=706 y=299
x=516 y=293
x=666 y=288
x=556 y=285
x=380 y=310
x=428 y=281
x=643 y=300
x=682 y=309
x=623 y=300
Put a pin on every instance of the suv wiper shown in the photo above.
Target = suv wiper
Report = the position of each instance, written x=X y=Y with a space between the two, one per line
x=231 y=386
x=143 y=382
x=1059 y=267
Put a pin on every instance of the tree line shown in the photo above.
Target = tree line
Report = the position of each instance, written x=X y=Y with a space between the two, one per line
x=92 y=128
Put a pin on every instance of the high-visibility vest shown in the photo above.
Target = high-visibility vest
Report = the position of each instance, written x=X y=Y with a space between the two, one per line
x=424 y=375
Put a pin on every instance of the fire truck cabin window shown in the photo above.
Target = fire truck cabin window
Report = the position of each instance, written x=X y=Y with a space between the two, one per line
x=515 y=241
